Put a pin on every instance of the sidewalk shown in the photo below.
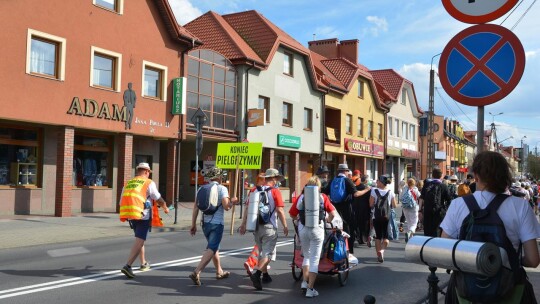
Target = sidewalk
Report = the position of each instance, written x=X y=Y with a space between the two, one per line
x=31 y=230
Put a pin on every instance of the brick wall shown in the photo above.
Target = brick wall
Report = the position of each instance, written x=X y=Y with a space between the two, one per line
x=64 y=169
x=125 y=160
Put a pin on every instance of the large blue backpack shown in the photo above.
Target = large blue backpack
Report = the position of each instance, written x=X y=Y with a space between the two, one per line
x=336 y=248
x=208 y=198
x=338 y=191
x=485 y=225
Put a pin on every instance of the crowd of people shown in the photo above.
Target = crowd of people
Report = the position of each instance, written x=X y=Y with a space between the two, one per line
x=436 y=205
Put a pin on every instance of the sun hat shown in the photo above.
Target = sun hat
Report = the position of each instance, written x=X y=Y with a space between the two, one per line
x=453 y=177
x=145 y=166
x=271 y=172
x=212 y=173
x=322 y=169
x=343 y=167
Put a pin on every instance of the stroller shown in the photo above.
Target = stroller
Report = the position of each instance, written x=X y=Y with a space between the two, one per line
x=326 y=265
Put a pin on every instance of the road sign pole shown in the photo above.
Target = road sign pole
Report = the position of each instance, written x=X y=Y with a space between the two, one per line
x=480 y=130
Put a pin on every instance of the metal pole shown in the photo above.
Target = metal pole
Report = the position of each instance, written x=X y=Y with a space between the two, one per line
x=480 y=130
x=433 y=282
x=430 y=151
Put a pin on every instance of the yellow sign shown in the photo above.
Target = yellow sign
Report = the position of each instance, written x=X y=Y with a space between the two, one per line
x=245 y=155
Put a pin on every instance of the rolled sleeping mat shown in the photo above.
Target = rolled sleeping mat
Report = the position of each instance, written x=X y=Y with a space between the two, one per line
x=253 y=211
x=466 y=256
x=311 y=206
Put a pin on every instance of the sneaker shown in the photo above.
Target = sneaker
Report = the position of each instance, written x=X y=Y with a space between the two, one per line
x=266 y=278
x=311 y=292
x=256 y=279
x=304 y=286
x=248 y=268
x=145 y=267
x=195 y=278
x=128 y=272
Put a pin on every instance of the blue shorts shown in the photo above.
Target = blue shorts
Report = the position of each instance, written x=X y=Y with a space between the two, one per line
x=141 y=228
x=213 y=234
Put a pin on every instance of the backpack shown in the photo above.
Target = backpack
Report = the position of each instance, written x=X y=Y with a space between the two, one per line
x=208 y=198
x=485 y=225
x=338 y=191
x=321 y=211
x=453 y=191
x=407 y=200
x=432 y=199
x=336 y=247
x=463 y=189
x=265 y=214
x=382 y=210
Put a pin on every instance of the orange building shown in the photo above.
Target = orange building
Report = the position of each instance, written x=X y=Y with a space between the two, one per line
x=87 y=94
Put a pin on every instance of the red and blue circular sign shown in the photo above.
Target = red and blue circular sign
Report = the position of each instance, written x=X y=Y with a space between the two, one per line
x=478 y=11
x=481 y=64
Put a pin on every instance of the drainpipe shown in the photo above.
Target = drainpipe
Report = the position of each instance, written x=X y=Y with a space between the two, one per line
x=246 y=90
x=323 y=126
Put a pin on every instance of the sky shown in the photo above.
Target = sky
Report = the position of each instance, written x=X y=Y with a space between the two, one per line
x=407 y=36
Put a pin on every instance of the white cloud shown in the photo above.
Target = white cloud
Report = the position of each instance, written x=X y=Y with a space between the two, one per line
x=379 y=25
x=184 y=11
x=531 y=54
x=324 y=32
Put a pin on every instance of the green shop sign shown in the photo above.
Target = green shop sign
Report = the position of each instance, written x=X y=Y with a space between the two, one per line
x=288 y=141
x=179 y=96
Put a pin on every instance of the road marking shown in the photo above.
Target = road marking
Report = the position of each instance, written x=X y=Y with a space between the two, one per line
x=67 y=251
x=14 y=292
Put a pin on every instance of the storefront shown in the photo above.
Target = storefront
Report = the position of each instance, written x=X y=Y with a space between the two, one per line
x=364 y=156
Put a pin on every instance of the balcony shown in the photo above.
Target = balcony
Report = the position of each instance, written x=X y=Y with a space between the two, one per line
x=332 y=137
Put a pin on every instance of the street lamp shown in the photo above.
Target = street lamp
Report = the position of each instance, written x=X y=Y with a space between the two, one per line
x=522 y=155
x=493 y=116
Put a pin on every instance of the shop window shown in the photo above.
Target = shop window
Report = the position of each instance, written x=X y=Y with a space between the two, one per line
x=105 y=69
x=154 y=80
x=212 y=87
x=46 y=55
x=92 y=159
x=116 y=6
x=19 y=156
x=281 y=162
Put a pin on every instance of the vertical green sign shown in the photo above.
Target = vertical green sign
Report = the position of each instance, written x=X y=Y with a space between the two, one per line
x=179 y=96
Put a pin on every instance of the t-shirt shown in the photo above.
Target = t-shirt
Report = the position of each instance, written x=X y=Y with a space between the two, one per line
x=328 y=207
x=219 y=216
x=516 y=214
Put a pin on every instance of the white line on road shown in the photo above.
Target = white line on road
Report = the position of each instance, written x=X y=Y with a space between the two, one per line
x=9 y=293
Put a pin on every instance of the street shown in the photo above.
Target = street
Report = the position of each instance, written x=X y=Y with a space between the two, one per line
x=88 y=272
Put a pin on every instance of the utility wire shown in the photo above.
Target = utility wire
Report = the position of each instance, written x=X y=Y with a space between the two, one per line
x=523 y=15
x=513 y=10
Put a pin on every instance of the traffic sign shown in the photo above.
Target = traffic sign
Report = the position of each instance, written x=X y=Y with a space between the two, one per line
x=481 y=64
x=478 y=11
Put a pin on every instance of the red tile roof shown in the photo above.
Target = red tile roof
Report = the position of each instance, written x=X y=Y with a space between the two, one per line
x=176 y=30
x=325 y=78
x=392 y=81
x=219 y=36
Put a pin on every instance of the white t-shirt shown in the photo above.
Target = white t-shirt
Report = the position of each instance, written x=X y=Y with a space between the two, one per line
x=517 y=215
x=151 y=194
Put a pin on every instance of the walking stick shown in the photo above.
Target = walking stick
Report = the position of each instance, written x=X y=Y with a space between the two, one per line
x=235 y=190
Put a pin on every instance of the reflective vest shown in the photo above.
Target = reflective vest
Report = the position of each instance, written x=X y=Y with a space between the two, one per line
x=133 y=199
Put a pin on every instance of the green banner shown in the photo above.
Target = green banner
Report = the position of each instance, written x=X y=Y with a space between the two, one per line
x=179 y=96
x=246 y=155
x=288 y=141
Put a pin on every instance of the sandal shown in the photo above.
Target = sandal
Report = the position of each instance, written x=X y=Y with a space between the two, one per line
x=195 y=278
x=223 y=275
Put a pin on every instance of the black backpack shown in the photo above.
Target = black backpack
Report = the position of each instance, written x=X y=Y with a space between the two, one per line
x=382 y=208
x=433 y=199
x=485 y=225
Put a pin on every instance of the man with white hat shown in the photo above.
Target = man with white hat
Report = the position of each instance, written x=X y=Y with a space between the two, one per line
x=136 y=207
x=266 y=231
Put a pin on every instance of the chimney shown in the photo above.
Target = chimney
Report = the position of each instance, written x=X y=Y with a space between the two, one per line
x=348 y=49
x=328 y=47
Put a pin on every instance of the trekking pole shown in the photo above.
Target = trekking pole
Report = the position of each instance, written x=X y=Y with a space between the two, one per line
x=235 y=191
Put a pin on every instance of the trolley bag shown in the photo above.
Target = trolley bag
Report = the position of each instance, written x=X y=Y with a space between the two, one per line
x=336 y=247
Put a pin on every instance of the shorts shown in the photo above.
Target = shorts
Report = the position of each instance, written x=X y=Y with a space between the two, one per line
x=266 y=239
x=140 y=227
x=213 y=234
x=381 y=229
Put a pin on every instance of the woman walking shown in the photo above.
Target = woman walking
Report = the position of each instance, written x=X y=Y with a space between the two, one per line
x=409 y=202
x=382 y=199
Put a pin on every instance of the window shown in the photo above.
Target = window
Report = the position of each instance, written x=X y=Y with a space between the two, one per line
x=45 y=55
x=413 y=132
x=212 y=87
x=308 y=119
x=404 y=130
x=360 y=89
x=390 y=126
x=92 y=158
x=379 y=132
x=112 y=5
x=348 y=124
x=360 y=127
x=287 y=114
x=281 y=161
x=370 y=129
x=403 y=96
x=288 y=64
x=397 y=127
x=20 y=162
x=105 y=69
x=264 y=103
x=154 y=80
